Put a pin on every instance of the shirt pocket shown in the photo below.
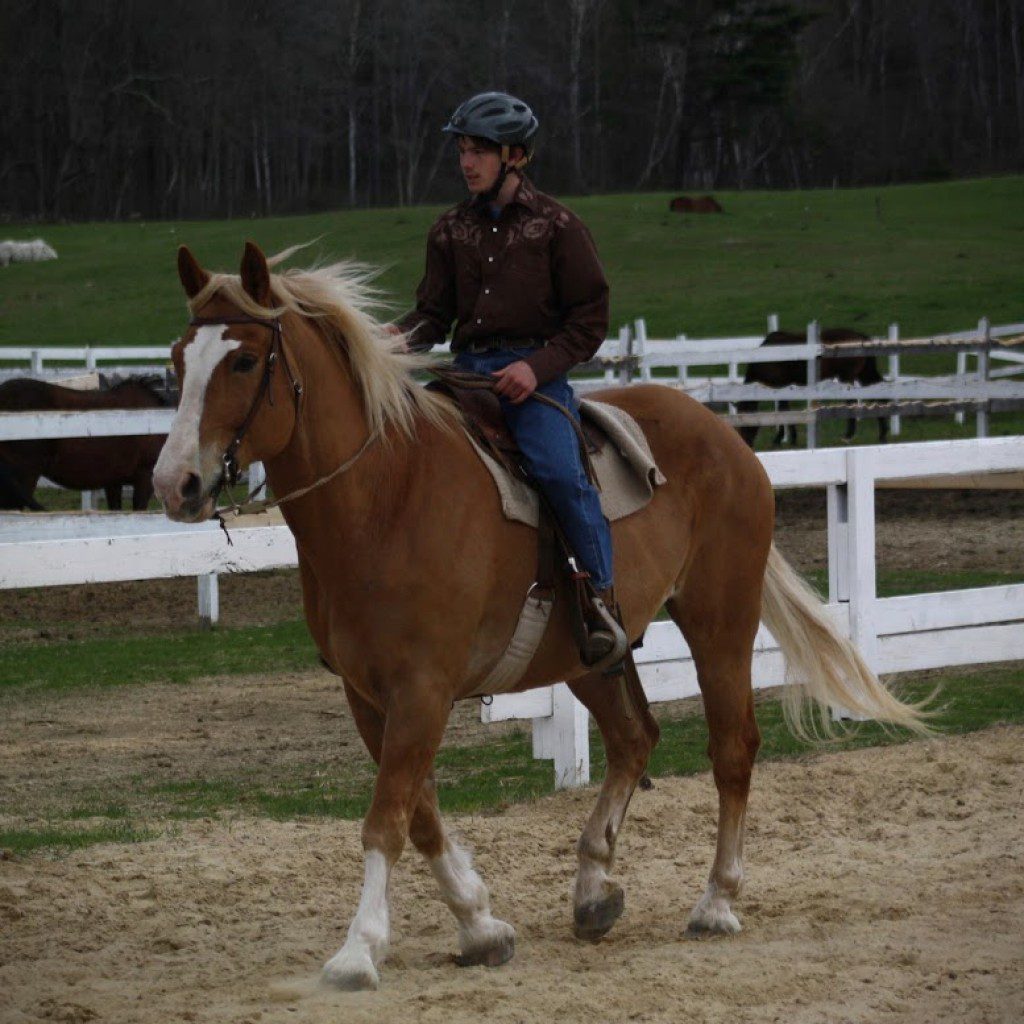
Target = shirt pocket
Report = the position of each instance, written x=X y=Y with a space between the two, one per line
x=528 y=258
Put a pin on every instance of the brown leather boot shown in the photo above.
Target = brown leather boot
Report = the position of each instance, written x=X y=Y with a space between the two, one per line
x=607 y=642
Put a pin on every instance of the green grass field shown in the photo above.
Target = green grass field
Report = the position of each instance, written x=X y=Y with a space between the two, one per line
x=933 y=257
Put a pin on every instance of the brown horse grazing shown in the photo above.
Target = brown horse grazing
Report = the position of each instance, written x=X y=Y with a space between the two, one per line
x=84 y=463
x=861 y=370
x=413 y=581
x=687 y=204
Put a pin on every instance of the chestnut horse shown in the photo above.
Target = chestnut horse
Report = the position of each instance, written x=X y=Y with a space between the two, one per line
x=413 y=580
x=84 y=463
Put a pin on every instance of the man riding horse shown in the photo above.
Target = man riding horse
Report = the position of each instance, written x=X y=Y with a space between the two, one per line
x=520 y=276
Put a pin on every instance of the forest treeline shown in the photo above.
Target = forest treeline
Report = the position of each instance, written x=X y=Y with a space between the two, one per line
x=124 y=108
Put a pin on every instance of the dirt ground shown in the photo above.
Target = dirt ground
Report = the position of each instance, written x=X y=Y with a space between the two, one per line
x=882 y=885
x=938 y=530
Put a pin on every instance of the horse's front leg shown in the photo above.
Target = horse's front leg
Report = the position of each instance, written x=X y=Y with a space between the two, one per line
x=416 y=719
x=483 y=939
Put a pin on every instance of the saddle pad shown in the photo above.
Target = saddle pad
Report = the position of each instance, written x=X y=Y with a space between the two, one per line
x=625 y=469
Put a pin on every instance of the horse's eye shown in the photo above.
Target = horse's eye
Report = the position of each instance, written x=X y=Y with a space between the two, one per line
x=244 y=363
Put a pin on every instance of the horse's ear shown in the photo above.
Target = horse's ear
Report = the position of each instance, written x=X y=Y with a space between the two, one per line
x=193 y=278
x=255 y=274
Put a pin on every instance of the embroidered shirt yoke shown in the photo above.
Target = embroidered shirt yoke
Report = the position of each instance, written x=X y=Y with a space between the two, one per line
x=531 y=272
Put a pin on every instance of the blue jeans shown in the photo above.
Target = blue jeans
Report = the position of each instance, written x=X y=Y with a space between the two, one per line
x=552 y=455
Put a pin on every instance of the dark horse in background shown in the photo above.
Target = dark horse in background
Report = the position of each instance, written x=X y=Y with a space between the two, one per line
x=861 y=370
x=81 y=463
x=690 y=204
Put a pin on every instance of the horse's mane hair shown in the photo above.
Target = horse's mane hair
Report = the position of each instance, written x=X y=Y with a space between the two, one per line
x=339 y=297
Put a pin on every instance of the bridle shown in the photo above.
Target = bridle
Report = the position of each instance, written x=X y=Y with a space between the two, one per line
x=229 y=460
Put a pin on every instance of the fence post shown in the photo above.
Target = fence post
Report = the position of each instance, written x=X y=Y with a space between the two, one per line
x=610 y=371
x=257 y=477
x=36 y=362
x=90 y=359
x=813 y=338
x=961 y=371
x=773 y=322
x=860 y=558
x=89 y=501
x=565 y=737
x=640 y=350
x=894 y=373
x=682 y=369
x=625 y=374
x=985 y=335
x=209 y=600
x=838 y=510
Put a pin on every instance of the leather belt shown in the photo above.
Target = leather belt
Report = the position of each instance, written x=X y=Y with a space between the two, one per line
x=501 y=344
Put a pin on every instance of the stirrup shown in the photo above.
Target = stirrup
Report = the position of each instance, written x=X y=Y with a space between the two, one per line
x=607 y=644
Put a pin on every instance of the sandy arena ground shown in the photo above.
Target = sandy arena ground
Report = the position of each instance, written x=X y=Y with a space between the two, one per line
x=883 y=885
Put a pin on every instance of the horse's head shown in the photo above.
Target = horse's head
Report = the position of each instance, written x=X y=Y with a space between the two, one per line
x=238 y=395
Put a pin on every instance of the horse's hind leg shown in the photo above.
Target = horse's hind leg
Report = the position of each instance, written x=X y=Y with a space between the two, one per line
x=718 y=612
x=113 y=493
x=483 y=939
x=142 y=490
x=629 y=736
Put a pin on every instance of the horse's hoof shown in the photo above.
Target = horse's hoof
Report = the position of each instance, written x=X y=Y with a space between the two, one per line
x=592 y=921
x=493 y=955
x=712 y=918
x=351 y=973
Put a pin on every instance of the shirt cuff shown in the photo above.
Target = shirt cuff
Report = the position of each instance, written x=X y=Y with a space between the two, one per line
x=548 y=363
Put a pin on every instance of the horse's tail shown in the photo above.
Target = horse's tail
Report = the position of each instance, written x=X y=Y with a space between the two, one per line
x=825 y=668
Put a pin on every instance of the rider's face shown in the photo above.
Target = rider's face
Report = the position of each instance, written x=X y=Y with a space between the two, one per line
x=480 y=163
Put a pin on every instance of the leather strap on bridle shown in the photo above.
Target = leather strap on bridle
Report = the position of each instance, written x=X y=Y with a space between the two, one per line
x=229 y=460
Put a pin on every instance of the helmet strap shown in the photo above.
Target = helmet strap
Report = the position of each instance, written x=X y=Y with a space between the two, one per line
x=507 y=165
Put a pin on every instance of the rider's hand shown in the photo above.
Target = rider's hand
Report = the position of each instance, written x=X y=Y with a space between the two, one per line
x=516 y=382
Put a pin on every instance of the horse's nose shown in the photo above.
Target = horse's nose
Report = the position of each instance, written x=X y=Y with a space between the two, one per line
x=191 y=487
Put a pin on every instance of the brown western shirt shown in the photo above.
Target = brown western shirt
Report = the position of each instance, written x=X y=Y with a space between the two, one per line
x=532 y=272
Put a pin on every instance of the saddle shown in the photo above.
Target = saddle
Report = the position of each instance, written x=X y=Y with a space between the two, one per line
x=481 y=408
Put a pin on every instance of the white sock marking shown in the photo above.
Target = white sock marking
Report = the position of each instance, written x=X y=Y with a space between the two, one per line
x=467 y=898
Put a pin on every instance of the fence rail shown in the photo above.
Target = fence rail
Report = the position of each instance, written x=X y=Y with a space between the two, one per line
x=894 y=634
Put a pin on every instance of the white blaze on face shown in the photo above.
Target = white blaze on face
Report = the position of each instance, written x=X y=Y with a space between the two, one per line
x=181 y=452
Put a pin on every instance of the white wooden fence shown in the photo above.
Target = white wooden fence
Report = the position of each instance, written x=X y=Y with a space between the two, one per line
x=123 y=359
x=895 y=634
x=640 y=356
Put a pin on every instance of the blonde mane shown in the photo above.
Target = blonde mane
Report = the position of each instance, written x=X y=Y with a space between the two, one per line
x=339 y=298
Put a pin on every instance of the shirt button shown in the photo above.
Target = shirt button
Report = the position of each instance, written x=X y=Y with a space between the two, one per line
x=495 y=230
x=478 y=320
x=487 y=291
x=490 y=259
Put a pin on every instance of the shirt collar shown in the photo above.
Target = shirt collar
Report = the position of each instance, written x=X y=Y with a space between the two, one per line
x=525 y=195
